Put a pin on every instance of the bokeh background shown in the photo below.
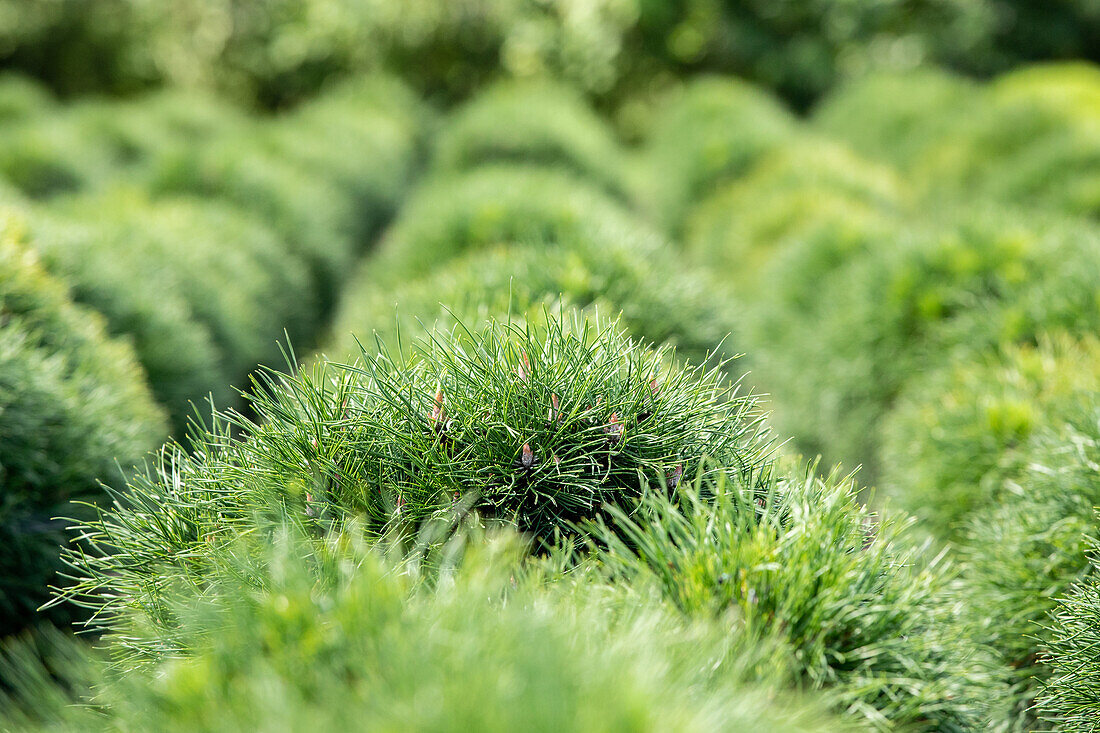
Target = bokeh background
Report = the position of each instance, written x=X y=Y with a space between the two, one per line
x=887 y=210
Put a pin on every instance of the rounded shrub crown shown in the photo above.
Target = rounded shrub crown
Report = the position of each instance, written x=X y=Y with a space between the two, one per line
x=618 y=271
x=809 y=190
x=712 y=131
x=864 y=616
x=537 y=427
x=973 y=418
x=531 y=122
x=1026 y=551
x=73 y=407
x=490 y=205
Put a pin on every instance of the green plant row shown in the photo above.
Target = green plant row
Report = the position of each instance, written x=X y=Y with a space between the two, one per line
x=916 y=272
x=641 y=478
x=201 y=236
x=200 y=232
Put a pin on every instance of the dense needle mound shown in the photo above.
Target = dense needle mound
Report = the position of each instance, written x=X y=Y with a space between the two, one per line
x=538 y=428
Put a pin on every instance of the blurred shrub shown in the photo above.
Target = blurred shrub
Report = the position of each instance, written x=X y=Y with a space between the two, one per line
x=709 y=132
x=232 y=271
x=1035 y=140
x=959 y=433
x=74 y=406
x=365 y=136
x=52 y=149
x=203 y=290
x=452 y=214
x=807 y=190
x=46 y=154
x=1069 y=698
x=896 y=117
x=332 y=634
x=660 y=301
x=21 y=97
x=276 y=52
x=537 y=427
x=974 y=280
x=543 y=123
x=315 y=217
x=866 y=618
x=1027 y=551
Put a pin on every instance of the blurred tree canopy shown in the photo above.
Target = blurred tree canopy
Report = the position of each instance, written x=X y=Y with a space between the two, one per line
x=274 y=52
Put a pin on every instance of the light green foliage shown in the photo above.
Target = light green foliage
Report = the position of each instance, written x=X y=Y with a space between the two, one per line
x=315 y=217
x=1034 y=141
x=21 y=97
x=897 y=117
x=708 y=132
x=332 y=634
x=959 y=433
x=974 y=281
x=1027 y=551
x=493 y=205
x=538 y=428
x=1071 y=697
x=807 y=190
x=204 y=290
x=72 y=403
x=865 y=617
x=532 y=123
x=660 y=301
x=365 y=136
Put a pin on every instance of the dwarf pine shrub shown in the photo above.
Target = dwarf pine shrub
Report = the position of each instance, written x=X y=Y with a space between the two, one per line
x=1033 y=141
x=1027 y=551
x=708 y=133
x=315 y=217
x=74 y=406
x=364 y=136
x=617 y=271
x=532 y=122
x=538 y=428
x=1070 y=698
x=46 y=154
x=867 y=619
x=811 y=189
x=896 y=117
x=958 y=434
x=204 y=290
x=494 y=204
x=328 y=632
x=974 y=281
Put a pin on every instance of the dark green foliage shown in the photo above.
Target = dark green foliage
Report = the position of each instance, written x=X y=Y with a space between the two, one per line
x=617 y=271
x=958 y=434
x=866 y=618
x=535 y=428
x=1071 y=697
x=73 y=408
x=1027 y=551
x=496 y=204
x=709 y=132
x=337 y=635
x=532 y=123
